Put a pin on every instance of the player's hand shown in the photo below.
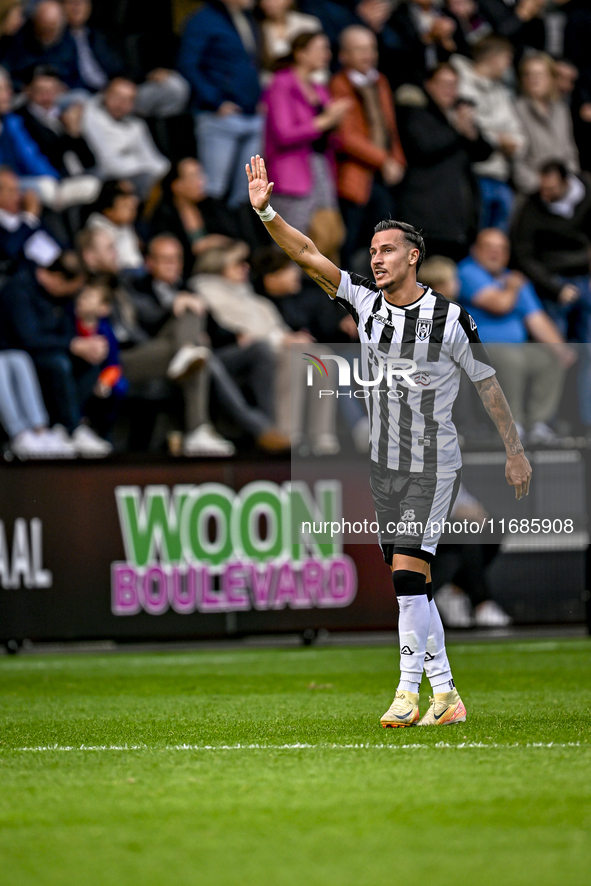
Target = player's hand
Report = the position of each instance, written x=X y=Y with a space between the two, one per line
x=518 y=473
x=259 y=186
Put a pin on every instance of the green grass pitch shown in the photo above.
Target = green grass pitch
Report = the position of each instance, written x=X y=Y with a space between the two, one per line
x=266 y=767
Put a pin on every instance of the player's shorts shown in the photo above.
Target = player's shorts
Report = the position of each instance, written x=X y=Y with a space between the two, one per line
x=411 y=509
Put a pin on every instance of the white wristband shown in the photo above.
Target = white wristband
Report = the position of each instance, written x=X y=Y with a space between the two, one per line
x=267 y=214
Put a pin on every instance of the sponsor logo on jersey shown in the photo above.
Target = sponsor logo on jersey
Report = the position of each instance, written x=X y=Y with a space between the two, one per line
x=408 y=515
x=422 y=378
x=472 y=323
x=423 y=329
x=387 y=321
x=424 y=441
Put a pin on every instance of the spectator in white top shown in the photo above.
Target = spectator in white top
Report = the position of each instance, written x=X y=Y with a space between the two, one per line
x=495 y=115
x=116 y=212
x=121 y=142
x=223 y=282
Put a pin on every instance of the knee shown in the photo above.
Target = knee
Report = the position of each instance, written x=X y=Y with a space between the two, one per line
x=409 y=584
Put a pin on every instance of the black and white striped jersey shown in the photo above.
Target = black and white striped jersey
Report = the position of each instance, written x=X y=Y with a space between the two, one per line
x=411 y=427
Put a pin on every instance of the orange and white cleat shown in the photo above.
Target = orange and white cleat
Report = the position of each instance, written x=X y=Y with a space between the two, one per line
x=404 y=710
x=445 y=708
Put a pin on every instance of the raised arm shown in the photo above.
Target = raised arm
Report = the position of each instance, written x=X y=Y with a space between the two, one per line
x=518 y=469
x=299 y=247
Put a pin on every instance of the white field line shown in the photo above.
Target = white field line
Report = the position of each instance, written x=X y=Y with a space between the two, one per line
x=465 y=745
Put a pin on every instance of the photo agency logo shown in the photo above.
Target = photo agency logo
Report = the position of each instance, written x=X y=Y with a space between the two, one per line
x=395 y=371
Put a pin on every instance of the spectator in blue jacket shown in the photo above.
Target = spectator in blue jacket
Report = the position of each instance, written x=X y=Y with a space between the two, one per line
x=218 y=56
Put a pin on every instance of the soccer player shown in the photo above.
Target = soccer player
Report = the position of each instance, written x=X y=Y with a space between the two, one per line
x=415 y=457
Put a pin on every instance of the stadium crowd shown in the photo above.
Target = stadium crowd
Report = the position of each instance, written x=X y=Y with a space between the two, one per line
x=135 y=279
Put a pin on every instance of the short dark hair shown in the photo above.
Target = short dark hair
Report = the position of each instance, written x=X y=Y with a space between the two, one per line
x=102 y=282
x=44 y=71
x=554 y=166
x=442 y=66
x=413 y=237
x=163 y=235
x=269 y=260
x=110 y=191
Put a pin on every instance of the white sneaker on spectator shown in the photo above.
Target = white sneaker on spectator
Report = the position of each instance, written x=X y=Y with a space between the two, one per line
x=454 y=606
x=187 y=360
x=541 y=433
x=28 y=444
x=490 y=615
x=326 y=444
x=360 y=434
x=205 y=441
x=59 y=444
x=88 y=444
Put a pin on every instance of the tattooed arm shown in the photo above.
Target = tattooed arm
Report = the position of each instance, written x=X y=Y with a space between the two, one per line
x=518 y=470
x=299 y=247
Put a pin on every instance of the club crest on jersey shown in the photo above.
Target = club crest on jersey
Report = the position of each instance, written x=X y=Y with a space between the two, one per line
x=423 y=329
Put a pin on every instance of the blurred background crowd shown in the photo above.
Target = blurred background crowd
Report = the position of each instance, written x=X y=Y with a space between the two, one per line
x=142 y=304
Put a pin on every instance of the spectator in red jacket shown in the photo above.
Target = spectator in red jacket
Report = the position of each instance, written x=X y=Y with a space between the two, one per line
x=370 y=160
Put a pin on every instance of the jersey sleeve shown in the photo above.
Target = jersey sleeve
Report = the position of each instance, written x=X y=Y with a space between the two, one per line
x=467 y=349
x=354 y=293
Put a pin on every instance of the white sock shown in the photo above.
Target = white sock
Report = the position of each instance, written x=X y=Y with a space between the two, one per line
x=436 y=663
x=413 y=630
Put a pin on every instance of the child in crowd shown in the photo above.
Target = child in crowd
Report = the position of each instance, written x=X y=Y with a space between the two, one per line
x=92 y=308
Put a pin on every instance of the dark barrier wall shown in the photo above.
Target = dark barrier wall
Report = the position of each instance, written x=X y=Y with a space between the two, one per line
x=122 y=550
x=180 y=549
